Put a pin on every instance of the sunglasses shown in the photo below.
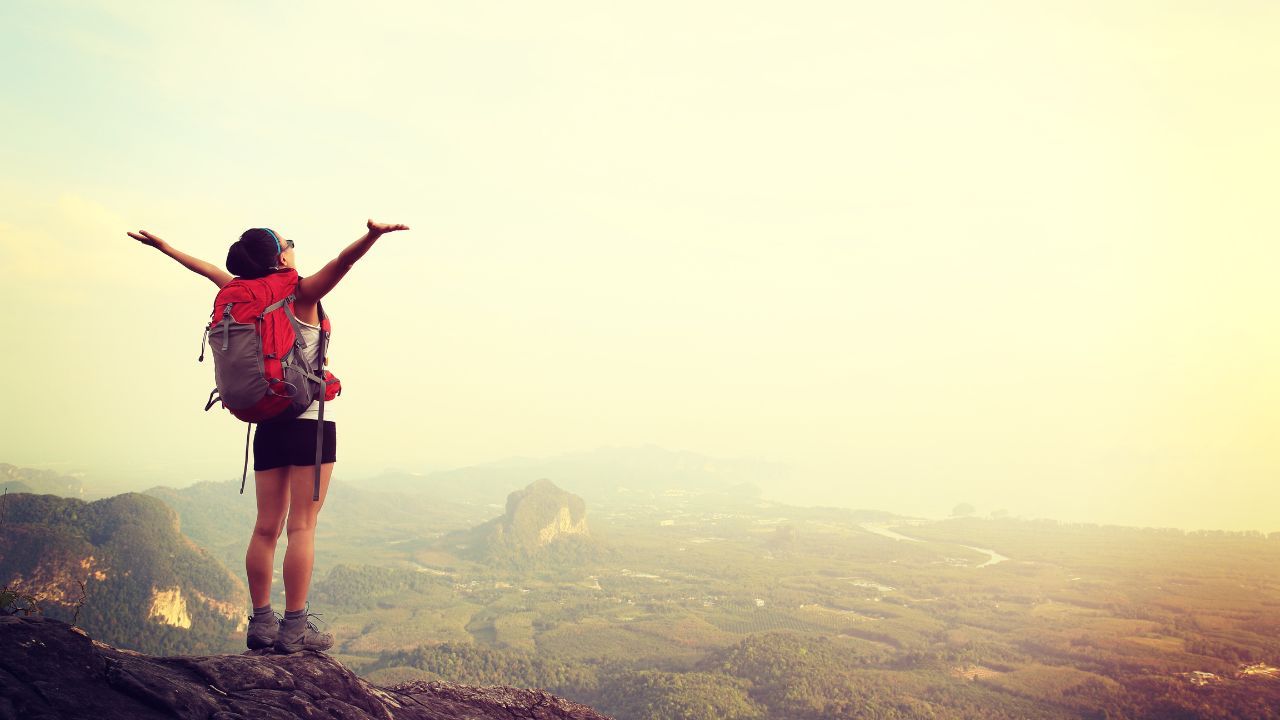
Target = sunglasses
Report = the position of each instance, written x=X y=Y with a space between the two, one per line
x=279 y=247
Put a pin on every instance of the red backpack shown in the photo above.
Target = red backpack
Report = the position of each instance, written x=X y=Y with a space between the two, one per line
x=258 y=366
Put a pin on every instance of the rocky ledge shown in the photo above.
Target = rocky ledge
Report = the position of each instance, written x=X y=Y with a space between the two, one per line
x=49 y=669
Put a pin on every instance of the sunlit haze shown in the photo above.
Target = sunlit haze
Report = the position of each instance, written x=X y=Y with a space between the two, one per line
x=1019 y=255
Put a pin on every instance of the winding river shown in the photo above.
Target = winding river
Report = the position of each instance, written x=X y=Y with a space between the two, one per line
x=993 y=557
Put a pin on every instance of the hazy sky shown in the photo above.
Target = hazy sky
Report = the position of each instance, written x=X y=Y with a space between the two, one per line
x=1018 y=254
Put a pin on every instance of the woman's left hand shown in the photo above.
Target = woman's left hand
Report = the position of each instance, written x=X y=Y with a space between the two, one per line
x=147 y=238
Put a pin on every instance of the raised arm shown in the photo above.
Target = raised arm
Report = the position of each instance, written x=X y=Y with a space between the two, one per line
x=316 y=286
x=216 y=275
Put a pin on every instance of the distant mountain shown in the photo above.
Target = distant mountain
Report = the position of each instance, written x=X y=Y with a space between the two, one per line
x=146 y=586
x=541 y=521
x=43 y=482
x=219 y=518
x=540 y=515
x=607 y=475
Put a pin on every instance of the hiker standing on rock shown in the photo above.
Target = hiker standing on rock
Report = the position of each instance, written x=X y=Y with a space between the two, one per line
x=289 y=448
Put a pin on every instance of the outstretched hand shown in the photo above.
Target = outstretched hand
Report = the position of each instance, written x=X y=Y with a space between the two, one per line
x=383 y=228
x=147 y=238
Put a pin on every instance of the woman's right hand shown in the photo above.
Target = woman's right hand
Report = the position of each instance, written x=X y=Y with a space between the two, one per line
x=376 y=229
x=147 y=238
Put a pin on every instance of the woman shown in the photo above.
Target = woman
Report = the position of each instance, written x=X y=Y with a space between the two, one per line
x=284 y=452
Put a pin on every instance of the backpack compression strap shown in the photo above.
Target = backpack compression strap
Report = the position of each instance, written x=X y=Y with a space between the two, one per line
x=315 y=497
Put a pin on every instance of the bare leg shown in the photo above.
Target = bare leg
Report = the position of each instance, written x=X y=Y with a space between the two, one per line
x=273 y=502
x=299 y=556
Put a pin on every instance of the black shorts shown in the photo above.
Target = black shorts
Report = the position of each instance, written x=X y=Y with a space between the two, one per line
x=292 y=442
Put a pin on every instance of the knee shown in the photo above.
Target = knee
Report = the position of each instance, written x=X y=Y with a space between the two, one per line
x=302 y=524
x=267 y=529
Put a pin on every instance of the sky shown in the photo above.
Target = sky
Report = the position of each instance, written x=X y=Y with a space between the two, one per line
x=1020 y=255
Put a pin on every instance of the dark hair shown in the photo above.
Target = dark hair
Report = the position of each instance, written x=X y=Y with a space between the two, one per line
x=254 y=254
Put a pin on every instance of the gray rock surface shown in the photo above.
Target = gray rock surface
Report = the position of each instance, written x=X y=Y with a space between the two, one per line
x=49 y=669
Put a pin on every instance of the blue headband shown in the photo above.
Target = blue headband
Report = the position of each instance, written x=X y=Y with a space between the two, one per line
x=279 y=247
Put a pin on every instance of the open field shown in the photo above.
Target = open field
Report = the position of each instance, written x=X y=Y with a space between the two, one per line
x=810 y=613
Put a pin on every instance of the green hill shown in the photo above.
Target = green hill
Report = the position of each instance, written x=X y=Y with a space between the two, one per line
x=122 y=568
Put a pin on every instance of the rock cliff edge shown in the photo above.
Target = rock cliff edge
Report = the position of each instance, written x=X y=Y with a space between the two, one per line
x=49 y=669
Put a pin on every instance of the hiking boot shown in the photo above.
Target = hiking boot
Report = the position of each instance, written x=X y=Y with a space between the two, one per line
x=299 y=634
x=262 y=632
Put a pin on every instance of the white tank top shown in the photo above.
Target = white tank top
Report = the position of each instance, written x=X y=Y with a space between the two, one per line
x=311 y=336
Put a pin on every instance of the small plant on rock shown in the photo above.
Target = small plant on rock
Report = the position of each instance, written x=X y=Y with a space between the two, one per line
x=16 y=602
